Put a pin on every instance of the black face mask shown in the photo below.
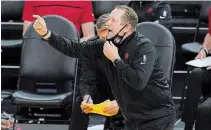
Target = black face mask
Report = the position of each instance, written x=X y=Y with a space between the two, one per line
x=116 y=40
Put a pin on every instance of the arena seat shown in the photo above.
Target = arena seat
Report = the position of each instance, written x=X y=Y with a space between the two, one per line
x=194 y=47
x=103 y=7
x=42 y=63
x=11 y=23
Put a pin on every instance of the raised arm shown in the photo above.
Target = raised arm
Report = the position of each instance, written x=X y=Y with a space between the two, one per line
x=72 y=48
x=87 y=49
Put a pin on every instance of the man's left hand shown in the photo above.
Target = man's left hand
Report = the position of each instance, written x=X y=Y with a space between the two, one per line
x=113 y=109
x=110 y=51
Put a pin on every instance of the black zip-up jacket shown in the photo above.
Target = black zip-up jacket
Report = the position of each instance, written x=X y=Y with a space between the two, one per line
x=137 y=81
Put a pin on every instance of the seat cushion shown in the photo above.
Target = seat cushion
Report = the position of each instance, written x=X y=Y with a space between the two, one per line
x=5 y=94
x=11 y=43
x=192 y=48
x=39 y=100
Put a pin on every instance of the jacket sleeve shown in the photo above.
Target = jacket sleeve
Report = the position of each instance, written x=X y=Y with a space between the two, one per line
x=88 y=81
x=138 y=73
x=72 y=48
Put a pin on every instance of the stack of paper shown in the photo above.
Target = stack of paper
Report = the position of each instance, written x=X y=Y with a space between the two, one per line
x=200 y=63
x=96 y=127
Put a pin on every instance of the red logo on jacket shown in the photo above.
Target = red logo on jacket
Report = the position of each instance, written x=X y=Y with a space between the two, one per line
x=149 y=10
x=126 y=55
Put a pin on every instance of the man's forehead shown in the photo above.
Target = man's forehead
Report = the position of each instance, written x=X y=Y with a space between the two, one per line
x=116 y=13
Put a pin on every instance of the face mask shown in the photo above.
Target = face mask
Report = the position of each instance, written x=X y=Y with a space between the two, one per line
x=116 y=40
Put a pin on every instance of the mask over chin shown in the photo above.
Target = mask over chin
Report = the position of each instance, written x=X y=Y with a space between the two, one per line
x=117 y=39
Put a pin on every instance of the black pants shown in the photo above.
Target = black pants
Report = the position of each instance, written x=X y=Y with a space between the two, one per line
x=199 y=82
x=203 y=116
x=79 y=120
x=166 y=126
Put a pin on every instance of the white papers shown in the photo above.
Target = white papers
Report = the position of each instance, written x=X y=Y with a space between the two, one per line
x=200 y=63
x=96 y=127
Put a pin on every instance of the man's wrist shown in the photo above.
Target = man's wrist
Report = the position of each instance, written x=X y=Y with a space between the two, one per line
x=205 y=50
x=46 y=32
x=116 y=57
x=115 y=62
x=86 y=97
x=46 y=37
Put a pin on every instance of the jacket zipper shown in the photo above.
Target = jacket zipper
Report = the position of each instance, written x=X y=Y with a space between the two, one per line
x=121 y=109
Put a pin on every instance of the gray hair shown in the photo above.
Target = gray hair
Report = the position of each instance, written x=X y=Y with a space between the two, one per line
x=129 y=15
x=101 y=21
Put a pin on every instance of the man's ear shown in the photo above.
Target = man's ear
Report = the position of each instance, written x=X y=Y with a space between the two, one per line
x=127 y=28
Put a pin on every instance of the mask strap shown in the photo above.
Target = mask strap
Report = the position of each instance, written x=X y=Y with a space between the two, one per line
x=122 y=29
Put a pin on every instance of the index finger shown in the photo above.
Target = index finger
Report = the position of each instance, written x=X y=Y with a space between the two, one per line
x=108 y=43
x=36 y=16
x=105 y=44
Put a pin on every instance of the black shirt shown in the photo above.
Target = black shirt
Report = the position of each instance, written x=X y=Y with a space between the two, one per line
x=137 y=81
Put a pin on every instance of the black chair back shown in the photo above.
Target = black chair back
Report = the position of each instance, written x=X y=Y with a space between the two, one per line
x=40 y=61
x=164 y=43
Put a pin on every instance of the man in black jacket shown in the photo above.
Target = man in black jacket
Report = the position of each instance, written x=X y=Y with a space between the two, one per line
x=132 y=66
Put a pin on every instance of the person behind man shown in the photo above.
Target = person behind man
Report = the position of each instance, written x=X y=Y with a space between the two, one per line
x=93 y=79
x=154 y=11
x=132 y=66
x=84 y=20
x=203 y=112
x=199 y=81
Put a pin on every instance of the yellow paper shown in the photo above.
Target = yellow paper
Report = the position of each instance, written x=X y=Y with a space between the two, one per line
x=98 y=108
